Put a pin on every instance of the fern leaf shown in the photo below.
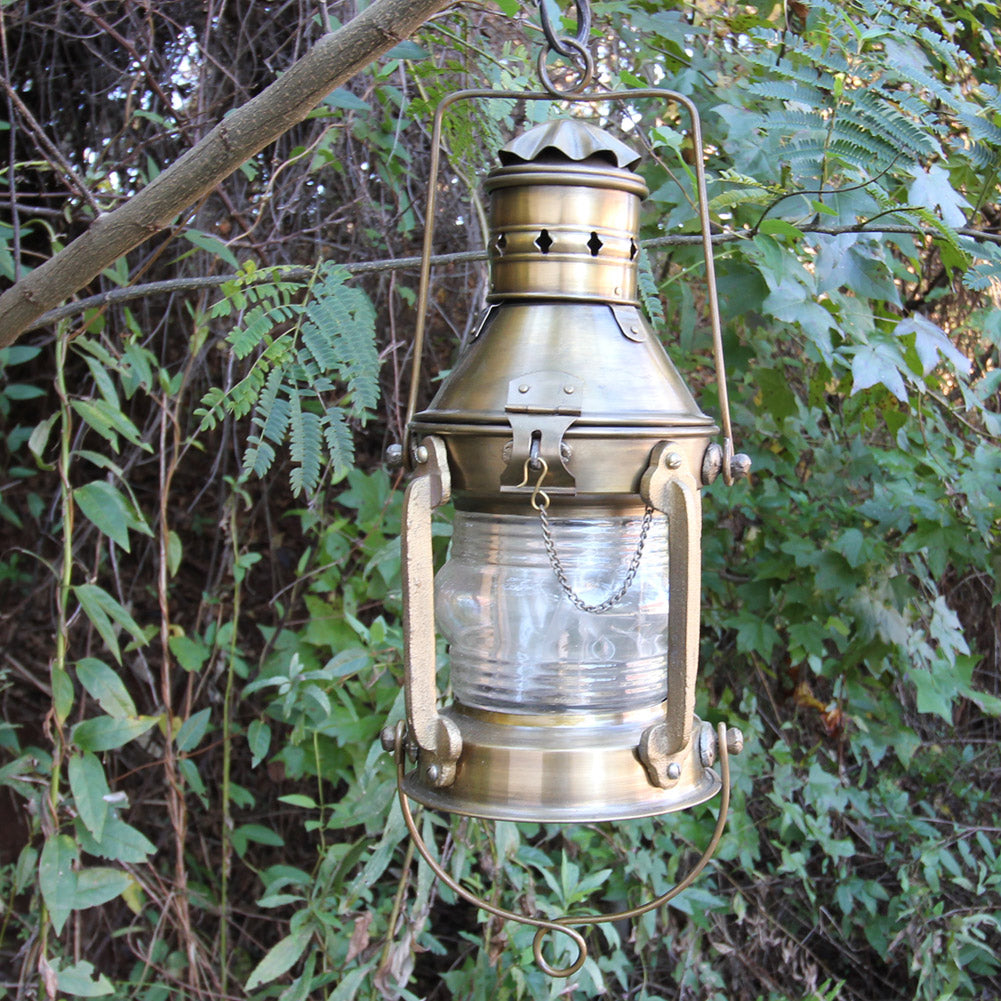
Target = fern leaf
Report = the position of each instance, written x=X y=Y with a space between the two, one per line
x=272 y=412
x=788 y=90
x=649 y=295
x=212 y=409
x=884 y=120
x=316 y=337
x=306 y=447
x=339 y=441
x=360 y=364
x=258 y=457
x=257 y=324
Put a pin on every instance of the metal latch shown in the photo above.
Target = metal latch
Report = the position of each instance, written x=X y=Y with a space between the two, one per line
x=541 y=406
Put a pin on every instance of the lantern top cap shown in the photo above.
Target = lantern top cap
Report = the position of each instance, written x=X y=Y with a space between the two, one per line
x=571 y=138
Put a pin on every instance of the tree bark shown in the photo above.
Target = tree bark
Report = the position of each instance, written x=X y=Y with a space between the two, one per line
x=240 y=135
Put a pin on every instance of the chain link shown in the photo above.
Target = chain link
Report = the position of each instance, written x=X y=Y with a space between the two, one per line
x=559 y=43
x=575 y=50
x=561 y=574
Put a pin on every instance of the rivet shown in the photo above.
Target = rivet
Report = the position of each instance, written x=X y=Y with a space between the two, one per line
x=618 y=291
x=674 y=461
x=421 y=454
x=568 y=390
x=433 y=772
x=674 y=771
x=388 y=738
x=634 y=330
x=524 y=388
x=394 y=456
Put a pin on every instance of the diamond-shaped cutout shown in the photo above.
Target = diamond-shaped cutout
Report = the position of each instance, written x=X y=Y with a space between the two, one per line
x=594 y=244
x=501 y=243
x=544 y=241
x=633 y=249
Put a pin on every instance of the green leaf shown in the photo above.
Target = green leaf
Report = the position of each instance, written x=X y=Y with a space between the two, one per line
x=879 y=364
x=105 y=733
x=192 y=731
x=213 y=245
x=98 y=885
x=175 y=552
x=406 y=50
x=781 y=228
x=62 y=694
x=109 y=423
x=935 y=693
x=279 y=958
x=105 y=507
x=57 y=878
x=89 y=787
x=258 y=833
x=299 y=801
x=189 y=771
x=109 y=509
x=121 y=842
x=103 y=611
x=342 y=98
x=40 y=436
x=191 y=653
x=78 y=980
x=851 y=545
x=105 y=687
x=259 y=740
x=349 y=984
x=930 y=342
x=932 y=189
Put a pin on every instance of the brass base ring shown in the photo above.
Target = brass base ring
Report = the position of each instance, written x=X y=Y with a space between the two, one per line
x=562 y=925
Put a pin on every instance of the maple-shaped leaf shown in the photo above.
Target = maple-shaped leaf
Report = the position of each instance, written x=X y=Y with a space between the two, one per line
x=931 y=189
x=930 y=342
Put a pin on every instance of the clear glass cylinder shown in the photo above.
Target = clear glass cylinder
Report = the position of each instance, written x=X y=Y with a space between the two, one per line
x=519 y=645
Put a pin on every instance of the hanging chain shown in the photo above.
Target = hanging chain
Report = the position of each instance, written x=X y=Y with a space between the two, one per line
x=540 y=501
x=558 y=43
x=577 y=49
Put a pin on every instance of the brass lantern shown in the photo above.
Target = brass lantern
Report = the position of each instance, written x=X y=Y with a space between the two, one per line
x=574 y=455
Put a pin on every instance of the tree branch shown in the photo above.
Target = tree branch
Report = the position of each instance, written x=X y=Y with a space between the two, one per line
x=133 y=292
x=240 y=135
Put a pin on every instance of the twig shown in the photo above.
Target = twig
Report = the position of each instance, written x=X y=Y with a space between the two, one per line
x=132 y=292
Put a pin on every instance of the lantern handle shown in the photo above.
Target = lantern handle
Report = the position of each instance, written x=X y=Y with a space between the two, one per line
x=733 y=467
x=563 y=925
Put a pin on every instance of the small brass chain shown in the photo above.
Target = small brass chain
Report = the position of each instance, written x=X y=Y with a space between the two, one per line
x=561 y=574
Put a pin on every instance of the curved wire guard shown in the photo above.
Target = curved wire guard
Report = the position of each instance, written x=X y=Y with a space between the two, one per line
x=563 y=924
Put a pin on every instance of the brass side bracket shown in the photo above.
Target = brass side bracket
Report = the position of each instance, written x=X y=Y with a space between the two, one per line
x=541 y=406
x=437 y=737
x=668 y=486
x=628 y=319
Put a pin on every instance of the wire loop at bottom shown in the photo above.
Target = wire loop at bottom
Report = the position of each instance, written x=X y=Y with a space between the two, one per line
x=562 y=925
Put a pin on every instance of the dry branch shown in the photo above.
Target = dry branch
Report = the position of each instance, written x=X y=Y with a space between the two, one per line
x=240 y=135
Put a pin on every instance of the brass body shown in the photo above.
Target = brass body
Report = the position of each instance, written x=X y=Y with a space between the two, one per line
x=564 y=376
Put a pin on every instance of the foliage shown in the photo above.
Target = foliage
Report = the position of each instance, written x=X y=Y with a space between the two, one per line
x=332 y=337
x=197 y=669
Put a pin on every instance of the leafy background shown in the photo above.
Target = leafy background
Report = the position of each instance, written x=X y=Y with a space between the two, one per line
x=198 y=542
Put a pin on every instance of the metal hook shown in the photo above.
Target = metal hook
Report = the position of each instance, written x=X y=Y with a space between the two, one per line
x=537 y=490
